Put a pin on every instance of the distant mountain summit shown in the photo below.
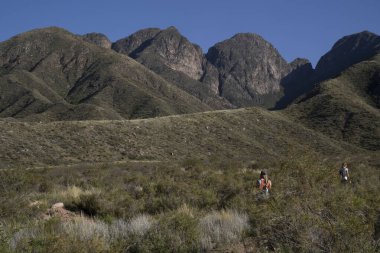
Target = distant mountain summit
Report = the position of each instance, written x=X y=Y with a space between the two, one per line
x=347 y=51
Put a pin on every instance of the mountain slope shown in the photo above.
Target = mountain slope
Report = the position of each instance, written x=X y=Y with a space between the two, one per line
x=346 y=107
x=51 y=74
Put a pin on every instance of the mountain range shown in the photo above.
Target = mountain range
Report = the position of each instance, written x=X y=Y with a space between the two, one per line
x=51 y=74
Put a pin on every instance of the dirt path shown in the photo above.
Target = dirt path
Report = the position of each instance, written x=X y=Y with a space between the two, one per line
x=121 y=162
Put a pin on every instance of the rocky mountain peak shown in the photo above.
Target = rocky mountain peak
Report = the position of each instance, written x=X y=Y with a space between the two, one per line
x=172 y=28
x=167 y=46
x=137 y=40
x=98 y=39
x=249 y=68
x=358 y=41
x=347 y=51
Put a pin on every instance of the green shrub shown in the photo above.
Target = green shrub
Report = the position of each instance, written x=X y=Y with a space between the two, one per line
x=88 y=203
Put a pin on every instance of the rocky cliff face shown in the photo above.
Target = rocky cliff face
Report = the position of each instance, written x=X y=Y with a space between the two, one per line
x=167 y=46
x=346 y=52
x=247 y=69
x=98 y=39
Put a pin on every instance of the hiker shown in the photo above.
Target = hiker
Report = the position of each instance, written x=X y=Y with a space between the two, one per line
x=262 y=174
x=265 y=184
x=343 y=172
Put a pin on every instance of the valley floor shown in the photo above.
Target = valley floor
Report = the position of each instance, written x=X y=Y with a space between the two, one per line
x=190 y=206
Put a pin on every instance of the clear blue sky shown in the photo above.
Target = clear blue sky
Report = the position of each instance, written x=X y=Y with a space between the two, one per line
x=297 y=28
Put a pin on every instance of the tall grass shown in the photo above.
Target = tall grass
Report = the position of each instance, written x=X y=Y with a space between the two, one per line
x=83 y=234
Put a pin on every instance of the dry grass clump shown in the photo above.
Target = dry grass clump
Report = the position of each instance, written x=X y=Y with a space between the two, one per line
x=222 y=227
x=74 y=193
x=83 y=229
x=139 y=225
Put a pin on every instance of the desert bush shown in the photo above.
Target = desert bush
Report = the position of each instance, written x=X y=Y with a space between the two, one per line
x=45 y=186
x=224 y=227
x=88 y=202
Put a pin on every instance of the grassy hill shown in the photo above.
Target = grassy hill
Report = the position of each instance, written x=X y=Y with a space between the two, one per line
x=51 y=74
x=346 y=107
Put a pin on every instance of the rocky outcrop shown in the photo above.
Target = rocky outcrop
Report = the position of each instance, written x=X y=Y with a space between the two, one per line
x=346 y=52
x=247 y=70
x=98 y=39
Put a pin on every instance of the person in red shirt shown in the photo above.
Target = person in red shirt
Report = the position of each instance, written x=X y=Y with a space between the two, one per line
x=265 y=184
